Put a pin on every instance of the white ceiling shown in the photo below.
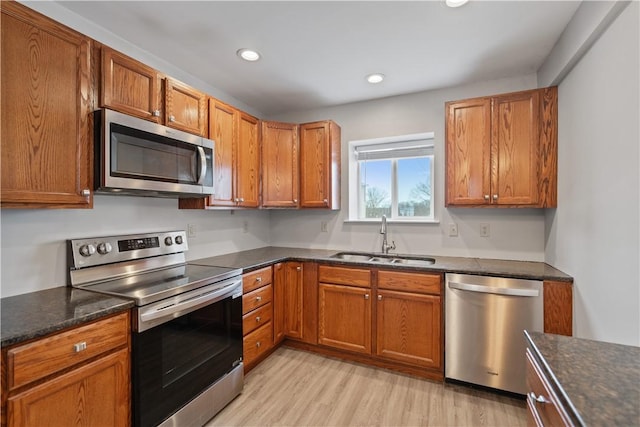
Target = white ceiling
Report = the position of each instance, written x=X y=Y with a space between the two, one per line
x=317 y=54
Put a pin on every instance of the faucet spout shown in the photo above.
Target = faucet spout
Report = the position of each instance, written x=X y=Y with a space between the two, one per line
x=383 y=230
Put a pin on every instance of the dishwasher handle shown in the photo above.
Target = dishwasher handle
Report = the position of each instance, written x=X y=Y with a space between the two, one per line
x=518 y=292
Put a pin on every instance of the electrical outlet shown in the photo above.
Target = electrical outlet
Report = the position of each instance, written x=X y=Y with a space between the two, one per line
x=191 y=230
x=484 y=230
x=323 y=226
x=453 y=229
x=245 y=226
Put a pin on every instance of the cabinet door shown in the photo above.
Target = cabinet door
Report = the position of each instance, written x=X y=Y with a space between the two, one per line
x=344 y=317
x=409 y=328
x=279 y=279
x=185 y=107
x=222 y=129
x=248 y=161
x=320 y=165
x=514 y=147
x=96 y=394
x=130 y=87
x=293 y=300
x=468 y=151
x=47 y=149
x=280 y=186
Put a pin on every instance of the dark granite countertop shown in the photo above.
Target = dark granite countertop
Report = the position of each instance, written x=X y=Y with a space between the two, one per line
x=597 y=382
x=262 y=257
x=35 y=314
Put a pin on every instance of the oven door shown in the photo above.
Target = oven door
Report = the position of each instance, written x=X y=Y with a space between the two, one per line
x=176 y=360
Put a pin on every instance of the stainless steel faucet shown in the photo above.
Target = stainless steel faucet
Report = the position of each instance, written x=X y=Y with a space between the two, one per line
x=383 y=230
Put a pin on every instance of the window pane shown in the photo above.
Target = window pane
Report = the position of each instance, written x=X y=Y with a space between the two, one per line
x=415 y=187
x=375 y=188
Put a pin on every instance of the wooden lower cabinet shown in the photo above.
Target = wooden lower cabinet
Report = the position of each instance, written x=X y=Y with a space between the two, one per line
x=344 y=317
x=409 y=328
x=257 y=315
x=80 y=376
x=543 y=406
x=293 y=300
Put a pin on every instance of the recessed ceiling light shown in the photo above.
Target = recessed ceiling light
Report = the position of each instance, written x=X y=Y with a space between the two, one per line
x=455 y=3
x=375 y=78
x=248 y=54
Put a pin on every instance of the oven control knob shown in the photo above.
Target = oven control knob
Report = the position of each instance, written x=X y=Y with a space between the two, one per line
x=104 y=248
x=168 y=241
x=87 y=250
x=178 y=240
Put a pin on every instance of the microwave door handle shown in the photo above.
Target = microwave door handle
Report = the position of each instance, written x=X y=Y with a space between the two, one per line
x=203 y=166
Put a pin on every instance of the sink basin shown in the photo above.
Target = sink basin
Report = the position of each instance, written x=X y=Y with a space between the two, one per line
x=403 y=260
x=414 y=261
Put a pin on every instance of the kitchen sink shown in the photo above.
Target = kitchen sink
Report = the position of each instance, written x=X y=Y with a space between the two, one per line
x=385 y=259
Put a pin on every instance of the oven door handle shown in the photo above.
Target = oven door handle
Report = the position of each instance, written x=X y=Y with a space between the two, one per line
x=193 y=303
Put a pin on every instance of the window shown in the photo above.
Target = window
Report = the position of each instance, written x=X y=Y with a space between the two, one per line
x=392 y=177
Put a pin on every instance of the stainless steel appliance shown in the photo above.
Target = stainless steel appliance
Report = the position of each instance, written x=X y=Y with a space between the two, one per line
x=135 y=156
x=485 y=319
x=187 y=323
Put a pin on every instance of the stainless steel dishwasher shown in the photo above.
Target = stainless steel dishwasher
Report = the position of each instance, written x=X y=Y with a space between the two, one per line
x=485 y=320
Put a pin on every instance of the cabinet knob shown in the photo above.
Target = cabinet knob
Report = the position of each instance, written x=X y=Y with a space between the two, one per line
x=156 y=113
x=86 y=192
x=325 y=201
x=295 y=200
x=258 y=344
x=486 y=197
x=366 y=296
x=172 y=118
x=81 y=346
x=237 y=200
x=379 y=297
x=258 y=318
x=495 y=197
x=298 y=268
x=258 y=299
x=241 y=199
x=258 y=279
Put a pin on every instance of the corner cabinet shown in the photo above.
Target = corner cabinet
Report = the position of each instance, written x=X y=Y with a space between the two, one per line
x=280 y=164
x=320 y=165
x=501 y=151
x=47 y=151
x=80 y=376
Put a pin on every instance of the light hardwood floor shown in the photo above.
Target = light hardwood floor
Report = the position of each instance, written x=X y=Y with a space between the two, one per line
x=297 y=388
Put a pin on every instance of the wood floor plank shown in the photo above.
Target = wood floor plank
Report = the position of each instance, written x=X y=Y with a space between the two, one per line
x=297 y=388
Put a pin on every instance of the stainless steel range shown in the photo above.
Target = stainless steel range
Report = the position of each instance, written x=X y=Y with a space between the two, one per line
x=187 y=340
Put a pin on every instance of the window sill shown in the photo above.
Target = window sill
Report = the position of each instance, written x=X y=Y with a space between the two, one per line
x=392 y=221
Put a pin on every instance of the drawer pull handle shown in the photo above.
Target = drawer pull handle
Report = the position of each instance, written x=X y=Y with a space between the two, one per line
x=258 y=279
x=81 y=346
x=258 y=299
x=539 y=399
x=258 y=344
x=258 y=318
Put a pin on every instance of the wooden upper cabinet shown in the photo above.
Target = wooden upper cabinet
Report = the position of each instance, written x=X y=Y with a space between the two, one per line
x=47 y=150
x=502 y=150
x=185 y=107
x=280 y=185
x=248 y=161
x=130 y=87
x=223 y=130
x=320 y=165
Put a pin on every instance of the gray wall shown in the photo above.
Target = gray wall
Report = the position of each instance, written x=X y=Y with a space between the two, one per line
x=515 y=233
x=594 y=233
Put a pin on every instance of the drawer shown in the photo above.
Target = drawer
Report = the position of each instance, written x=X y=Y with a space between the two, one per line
x=257 y=343
x=256 y=279
x=257 y=298
x=38 y=359
x=542 y=403
x=412 y=282
x=256 y=318
x=360 y=277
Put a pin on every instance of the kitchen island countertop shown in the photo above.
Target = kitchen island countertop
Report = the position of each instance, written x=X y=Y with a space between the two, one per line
x=598 y=383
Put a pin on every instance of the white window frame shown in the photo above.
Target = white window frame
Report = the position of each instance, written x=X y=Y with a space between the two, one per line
x=354 y=178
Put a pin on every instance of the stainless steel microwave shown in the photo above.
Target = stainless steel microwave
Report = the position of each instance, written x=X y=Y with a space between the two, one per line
x=138 y=157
